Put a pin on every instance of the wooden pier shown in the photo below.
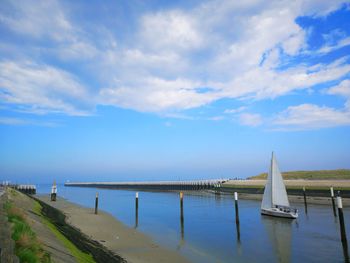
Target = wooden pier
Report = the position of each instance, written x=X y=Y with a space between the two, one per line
x=159 y=185
x=25 y=188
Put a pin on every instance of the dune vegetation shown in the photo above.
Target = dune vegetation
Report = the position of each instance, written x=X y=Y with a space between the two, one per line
x=339 y=174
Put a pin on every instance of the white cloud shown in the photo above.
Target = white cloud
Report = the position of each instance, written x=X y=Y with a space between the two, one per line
x=38 y=19
x=216 y=118
x=170 y=30
x=342 y=89
x=41 y=88
x=22 y=122
x=250 y=119
x=232 y=47
x=237 y=110
x=310 y=116
x=331 y=47
x=155 y=94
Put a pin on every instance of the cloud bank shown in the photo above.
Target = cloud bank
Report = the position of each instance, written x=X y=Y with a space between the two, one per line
x=173 y=60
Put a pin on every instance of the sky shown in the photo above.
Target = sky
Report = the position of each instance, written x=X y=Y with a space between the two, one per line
x=172 y=90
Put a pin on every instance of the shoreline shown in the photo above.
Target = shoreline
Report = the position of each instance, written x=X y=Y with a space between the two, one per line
x=128 y=243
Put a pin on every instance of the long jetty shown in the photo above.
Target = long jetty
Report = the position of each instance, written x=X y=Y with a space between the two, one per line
x=24 y=188
x=159 y=185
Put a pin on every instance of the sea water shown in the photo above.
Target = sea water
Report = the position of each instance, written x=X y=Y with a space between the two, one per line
x=209 y=232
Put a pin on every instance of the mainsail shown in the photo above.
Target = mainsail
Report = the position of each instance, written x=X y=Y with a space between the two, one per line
x=275 y=191
x=267 y=197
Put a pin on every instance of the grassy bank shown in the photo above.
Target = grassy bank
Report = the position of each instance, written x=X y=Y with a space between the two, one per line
x=80 y=256
x=339 y=174
x=55 y=219
x=27 y=247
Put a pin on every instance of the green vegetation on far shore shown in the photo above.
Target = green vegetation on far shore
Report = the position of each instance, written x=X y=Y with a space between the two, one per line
x=316 y=187
x=339 y=174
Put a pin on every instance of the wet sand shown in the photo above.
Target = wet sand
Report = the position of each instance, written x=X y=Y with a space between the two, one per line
x=127 y=242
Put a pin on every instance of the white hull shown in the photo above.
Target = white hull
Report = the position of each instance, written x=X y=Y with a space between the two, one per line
x=277 y=212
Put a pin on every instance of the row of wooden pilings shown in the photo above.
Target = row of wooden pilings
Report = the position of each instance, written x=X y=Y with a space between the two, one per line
x=162 y=185
x=26 y=188
x=340 y=216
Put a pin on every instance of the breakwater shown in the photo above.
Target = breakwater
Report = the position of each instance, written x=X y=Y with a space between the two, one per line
x=23 y=188
x=159 y=185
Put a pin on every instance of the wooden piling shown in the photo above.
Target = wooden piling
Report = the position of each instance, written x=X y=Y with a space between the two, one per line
x=342 y=229
x=237 y=218
x=333 y=202
x=136 y=209
x=305 y=202
x=236 y=208
x=341 y=219
x=96 y=204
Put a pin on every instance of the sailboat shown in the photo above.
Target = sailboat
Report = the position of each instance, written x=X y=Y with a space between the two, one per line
x=275 y=200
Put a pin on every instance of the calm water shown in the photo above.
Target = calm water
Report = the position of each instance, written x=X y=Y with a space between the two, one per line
x=209 y=232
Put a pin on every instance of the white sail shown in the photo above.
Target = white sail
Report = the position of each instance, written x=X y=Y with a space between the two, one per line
x=267 y=197
x=279 y=193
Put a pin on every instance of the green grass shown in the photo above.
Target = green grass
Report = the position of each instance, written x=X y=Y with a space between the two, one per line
x=340 y=174
x=80 y=256
x=27 y=247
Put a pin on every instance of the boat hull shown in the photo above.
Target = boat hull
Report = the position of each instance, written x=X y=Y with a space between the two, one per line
x=278 y=213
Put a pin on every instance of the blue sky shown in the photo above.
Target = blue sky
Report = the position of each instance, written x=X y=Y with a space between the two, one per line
x=135 y=90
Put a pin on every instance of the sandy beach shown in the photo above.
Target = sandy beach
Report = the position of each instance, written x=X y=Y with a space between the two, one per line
x=127 y=242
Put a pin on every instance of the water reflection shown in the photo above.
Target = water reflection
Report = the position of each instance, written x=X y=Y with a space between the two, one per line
x=238 y=231
x=280 y=233
x=182 y=221
x=346 y=252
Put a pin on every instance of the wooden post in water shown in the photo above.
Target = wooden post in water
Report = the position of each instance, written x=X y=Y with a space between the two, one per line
x=236 y=208
x=342 y=229
x=96 y=204
x=136 y=209
x=182 y=215
x=333 y=202
x=305 y=203
x=237 y=217
x=341 y=219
